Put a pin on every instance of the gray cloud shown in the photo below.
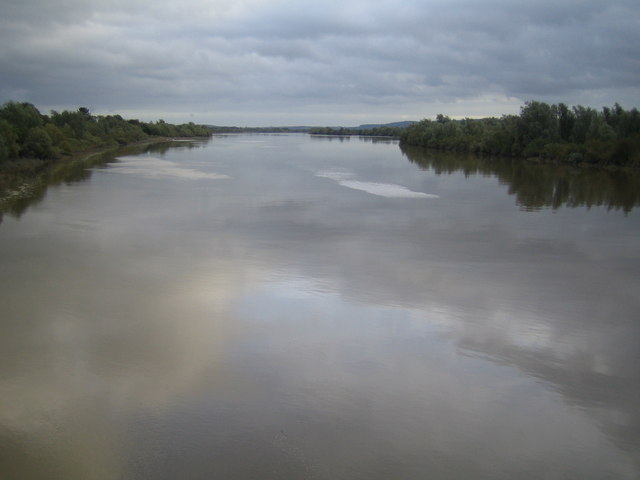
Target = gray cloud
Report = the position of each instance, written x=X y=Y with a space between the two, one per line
x=259 y=61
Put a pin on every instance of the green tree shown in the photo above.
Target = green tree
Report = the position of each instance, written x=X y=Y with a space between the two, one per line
x=566 y=119
x=22 y=117
x=584 y=116
x=9 y=147
x=38 y=144
x=538 y=125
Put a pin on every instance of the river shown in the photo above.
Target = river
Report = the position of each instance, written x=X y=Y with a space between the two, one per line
x=296 y=307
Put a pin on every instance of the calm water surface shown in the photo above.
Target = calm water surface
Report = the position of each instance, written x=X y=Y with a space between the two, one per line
x=287 y=307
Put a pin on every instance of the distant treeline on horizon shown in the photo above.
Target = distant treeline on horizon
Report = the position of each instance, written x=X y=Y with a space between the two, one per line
x=579 y=135
x=376 y=131
x=28 y=134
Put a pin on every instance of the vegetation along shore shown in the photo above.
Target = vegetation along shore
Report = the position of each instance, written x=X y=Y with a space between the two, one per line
x=38 y=150
x=578 y=135
x=29 y=139
x=557 y=133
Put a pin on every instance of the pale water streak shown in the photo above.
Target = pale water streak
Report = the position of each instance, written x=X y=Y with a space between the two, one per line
x=156 y=167
x=346 y=179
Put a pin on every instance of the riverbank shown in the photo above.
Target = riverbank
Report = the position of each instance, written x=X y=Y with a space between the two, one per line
x=575 y=161
x=578 y=136
x=34 y=165
x=27 y=134
x=24 y=181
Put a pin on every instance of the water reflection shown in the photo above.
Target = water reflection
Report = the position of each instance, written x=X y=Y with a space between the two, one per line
x=21 y=190
x=540 y=185
x=331 y=138
x=563 y=312
x=277 y=324
x=359 y=138
x=102 y=350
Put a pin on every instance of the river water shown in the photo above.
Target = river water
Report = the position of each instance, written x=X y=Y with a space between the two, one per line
x=295 y=307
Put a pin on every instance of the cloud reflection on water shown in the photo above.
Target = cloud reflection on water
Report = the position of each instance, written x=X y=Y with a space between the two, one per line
x=375 y=336
x=156 y=167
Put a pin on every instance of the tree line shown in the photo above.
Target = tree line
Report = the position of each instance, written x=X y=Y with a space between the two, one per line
x=222 y=130
x=27 y=133
x=382 y=131
x=609 y=137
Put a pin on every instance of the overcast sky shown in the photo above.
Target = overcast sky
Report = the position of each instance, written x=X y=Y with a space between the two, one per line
x=322 y=62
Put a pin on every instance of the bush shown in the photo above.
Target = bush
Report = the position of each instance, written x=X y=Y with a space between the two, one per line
x=38 y=144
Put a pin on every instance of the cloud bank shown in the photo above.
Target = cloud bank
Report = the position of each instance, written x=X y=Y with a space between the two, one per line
x=260 y=62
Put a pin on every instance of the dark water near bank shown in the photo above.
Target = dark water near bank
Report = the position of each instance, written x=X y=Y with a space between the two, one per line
x=287 y=307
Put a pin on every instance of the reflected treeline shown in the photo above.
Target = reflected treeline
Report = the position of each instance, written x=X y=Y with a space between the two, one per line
x=348 y=138
x=331 y=138
x=537 y=185
x=20 y=190
x=388 y=140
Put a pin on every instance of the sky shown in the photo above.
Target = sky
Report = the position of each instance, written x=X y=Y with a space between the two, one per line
x=322 y=62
